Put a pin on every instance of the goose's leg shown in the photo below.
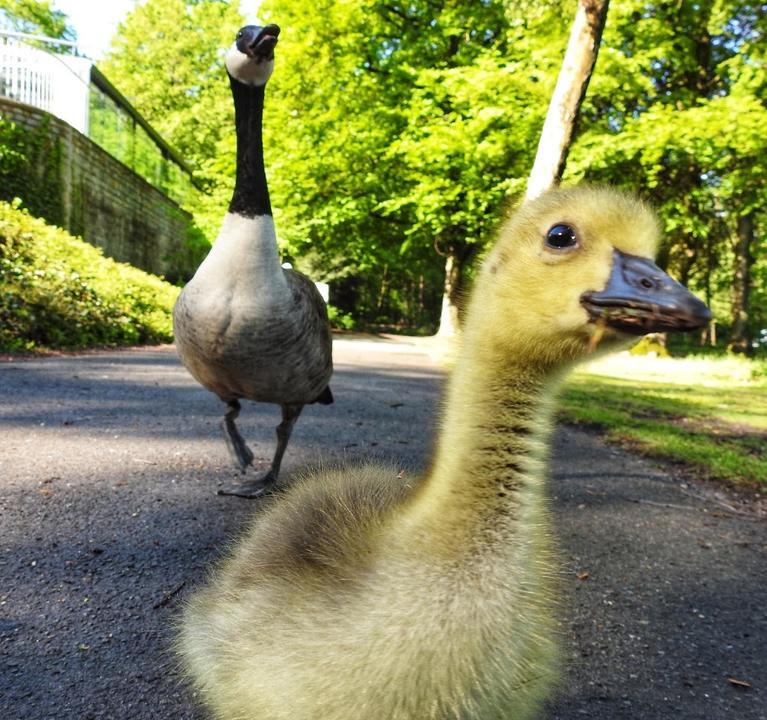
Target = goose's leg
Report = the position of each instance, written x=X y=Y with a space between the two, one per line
x=240 y=452
x=290 y=414
x=263 y=484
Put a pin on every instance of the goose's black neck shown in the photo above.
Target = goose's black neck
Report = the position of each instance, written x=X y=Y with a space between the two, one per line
x=251 y=194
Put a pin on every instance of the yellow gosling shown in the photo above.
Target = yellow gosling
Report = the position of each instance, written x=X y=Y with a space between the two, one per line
x=357 y=595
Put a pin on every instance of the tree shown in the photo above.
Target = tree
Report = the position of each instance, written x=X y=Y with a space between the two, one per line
x=465 y=149
x=740 y=335
x=36 y=17
x=167 y=59
x=676 y=109
x=572 y=83
x=395 y=133
x=402 y=130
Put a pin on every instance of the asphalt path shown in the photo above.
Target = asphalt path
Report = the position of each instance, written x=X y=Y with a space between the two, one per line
x=109 y=466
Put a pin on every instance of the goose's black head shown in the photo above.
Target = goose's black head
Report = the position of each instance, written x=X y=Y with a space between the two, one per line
x=250 y=59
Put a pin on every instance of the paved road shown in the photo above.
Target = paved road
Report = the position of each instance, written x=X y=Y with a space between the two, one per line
x=109 y=463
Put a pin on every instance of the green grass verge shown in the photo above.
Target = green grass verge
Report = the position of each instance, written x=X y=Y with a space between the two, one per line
x=709 y=414
x=57 y=291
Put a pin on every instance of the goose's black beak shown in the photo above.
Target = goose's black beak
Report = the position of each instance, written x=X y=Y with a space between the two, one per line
x=258 y=42
x=263 y=44
x=640 y=298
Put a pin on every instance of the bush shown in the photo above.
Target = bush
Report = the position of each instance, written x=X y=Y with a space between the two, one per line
x=652 y=344
x=340 y=320
x=57 y=291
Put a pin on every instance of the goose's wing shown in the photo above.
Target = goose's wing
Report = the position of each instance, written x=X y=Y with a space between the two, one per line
x=311 y=313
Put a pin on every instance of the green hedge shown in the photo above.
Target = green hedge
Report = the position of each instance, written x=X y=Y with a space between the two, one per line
x=57 y=291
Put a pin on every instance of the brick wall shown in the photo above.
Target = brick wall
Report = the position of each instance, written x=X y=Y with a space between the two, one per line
x=109 y=205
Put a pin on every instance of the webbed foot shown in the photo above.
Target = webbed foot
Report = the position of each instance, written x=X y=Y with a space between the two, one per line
x=253 y=489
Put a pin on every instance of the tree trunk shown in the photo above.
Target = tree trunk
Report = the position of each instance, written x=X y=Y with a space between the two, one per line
x=708 y=334
x=574 y=76
x=740 y=340
x=383 y=289
x=448 y=318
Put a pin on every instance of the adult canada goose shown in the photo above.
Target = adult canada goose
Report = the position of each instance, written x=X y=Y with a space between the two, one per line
x=359 y=595
x=244 y=326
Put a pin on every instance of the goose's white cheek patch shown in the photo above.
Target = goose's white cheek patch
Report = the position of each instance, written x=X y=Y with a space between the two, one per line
x=246 y=69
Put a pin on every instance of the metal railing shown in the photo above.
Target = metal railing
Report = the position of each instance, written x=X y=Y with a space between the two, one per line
x=45 y=39
x=73 y=89
x=56 y=83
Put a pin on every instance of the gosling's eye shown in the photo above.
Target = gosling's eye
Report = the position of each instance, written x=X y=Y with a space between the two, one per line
x=239 y=34
x=561 y=237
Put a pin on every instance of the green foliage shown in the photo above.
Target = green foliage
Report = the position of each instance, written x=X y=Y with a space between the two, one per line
x=759 y=371
x=395 y=133
x=650 y=345
x=182 y=88
x=57 y=291
x=36 y=17
x=30 y=163
x=676 y=109
x=340 y=320
x=115 y=130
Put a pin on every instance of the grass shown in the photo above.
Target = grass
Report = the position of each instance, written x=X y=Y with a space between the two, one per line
x=708 y=413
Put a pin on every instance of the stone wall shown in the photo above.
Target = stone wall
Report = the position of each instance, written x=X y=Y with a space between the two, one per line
x=102 y=200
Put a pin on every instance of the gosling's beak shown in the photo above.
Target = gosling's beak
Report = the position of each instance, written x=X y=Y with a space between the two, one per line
x=640 y=298
x=263 y=44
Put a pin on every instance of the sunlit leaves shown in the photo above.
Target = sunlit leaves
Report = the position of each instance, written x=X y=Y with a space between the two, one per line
x=676 y=110
x=36 y=17
x=397 y=129
x=167 y=59
x=57 y=291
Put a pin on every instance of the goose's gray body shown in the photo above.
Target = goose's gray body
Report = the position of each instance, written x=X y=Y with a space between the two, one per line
x=247 y=328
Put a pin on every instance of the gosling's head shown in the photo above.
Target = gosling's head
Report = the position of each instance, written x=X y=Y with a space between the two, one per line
x=250 y=59
x=574 y=269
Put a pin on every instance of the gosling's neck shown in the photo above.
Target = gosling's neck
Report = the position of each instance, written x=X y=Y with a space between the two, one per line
x=489 y=466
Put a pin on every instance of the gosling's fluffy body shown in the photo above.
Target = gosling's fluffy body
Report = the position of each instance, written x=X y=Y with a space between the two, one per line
x=361 y=595
x=345 y=631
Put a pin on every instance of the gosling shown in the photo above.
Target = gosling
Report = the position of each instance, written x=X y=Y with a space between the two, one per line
x=358 y=595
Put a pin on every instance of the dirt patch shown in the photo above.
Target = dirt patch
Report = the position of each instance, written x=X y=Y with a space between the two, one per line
x=751 y=439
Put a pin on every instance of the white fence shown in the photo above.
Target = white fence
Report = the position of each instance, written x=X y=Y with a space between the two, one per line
x=56 y=83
